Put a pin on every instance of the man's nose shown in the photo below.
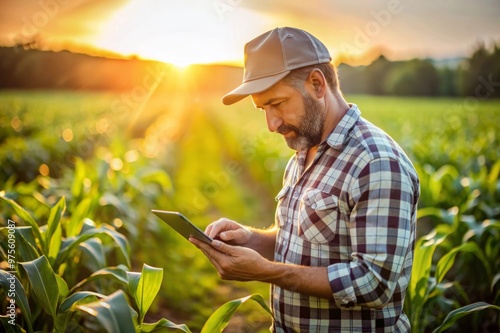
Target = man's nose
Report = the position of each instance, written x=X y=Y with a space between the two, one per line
x=274 y=121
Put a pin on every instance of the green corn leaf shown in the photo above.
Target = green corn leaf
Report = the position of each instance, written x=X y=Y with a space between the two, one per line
x=8 y=327
x=419 y=290
x=220 y=318
x=162 y=323
x=82 y=210
x=117 y=274
x=121 y=242
x=26 y=243
x=62 y=286
x=446 y=171
x=493 y=178
x=145 y=288
x=156 y=176
x=89 y=231
x=44 y=283
x=69 y=306
x=26 y=249
x=495 y=280
x=79 y=298
x=19 y=296
x=54 y=245
x=71 y=243
x=454 y=315
x=442 y=214
x=68 y=245
x=113 y=313
x=446 y=262
x=109 y=198
x=25 y=216
x=133 y=282
x=424 y=250
x=61 y=322
x=53 y=234
x=78 y=177
x=107 y=233
x=95 y=252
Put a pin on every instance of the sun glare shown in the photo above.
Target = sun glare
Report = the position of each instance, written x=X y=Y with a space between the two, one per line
x=178 y=32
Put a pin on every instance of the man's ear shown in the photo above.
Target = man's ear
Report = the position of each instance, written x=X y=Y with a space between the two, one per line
x=318 y=82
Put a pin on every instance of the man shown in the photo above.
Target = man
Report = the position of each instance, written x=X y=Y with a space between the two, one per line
x=340 y=253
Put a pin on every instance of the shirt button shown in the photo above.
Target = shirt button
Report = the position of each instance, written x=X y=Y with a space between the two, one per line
x=295 y=194
x=313 y=206
x=285 y=243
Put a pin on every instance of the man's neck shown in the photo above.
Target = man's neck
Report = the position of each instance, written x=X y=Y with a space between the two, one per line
x=311 y=153
x=336 y=108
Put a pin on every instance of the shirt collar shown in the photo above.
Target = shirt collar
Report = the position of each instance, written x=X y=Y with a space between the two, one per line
x=338 y=136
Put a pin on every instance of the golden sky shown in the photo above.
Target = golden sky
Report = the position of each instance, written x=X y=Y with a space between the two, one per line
x=204 y=31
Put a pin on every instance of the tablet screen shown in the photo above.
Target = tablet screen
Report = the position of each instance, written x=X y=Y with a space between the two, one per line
x=182 y=225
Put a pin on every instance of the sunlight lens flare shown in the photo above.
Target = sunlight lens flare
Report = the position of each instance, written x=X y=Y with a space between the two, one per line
x=180 y=33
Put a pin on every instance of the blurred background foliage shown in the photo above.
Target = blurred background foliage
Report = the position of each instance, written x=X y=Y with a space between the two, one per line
x=426 y=77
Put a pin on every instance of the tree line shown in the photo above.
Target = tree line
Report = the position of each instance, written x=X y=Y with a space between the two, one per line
x=29 y=68
x=478 y=75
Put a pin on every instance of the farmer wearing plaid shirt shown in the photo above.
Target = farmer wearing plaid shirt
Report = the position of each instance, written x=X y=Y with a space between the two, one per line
x=340 y=253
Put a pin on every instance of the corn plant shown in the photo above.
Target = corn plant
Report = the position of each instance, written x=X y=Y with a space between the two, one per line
x=52 y=257
x=43 y=279
x=427 y=289
x=111 y=313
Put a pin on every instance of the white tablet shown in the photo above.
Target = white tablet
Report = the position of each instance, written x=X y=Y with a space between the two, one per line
x=182 y=225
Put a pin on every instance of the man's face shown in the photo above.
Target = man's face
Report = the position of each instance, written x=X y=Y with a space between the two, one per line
x=299 y=118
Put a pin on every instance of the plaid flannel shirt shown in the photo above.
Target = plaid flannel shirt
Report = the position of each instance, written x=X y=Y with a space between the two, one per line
x=352 y=210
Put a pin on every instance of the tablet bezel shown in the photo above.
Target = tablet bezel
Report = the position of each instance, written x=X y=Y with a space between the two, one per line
x=182 y=225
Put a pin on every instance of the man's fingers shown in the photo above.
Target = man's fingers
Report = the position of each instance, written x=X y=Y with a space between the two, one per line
x=227 y=235
x=222 y=247
x=216 y=251
x=213 y=228
x=220 y=226
x=208 y=230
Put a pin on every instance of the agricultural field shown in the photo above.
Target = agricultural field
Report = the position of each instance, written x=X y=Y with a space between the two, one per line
x=75 y=164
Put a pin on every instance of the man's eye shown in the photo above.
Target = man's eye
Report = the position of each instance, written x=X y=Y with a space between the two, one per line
x=275 y=105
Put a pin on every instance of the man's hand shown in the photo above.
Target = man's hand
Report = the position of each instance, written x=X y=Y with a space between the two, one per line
x=233 y=233
x=234 y=262
x=244 y=264
x=229 y=231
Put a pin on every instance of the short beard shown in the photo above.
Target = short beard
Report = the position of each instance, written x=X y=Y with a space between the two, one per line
x=310 y=129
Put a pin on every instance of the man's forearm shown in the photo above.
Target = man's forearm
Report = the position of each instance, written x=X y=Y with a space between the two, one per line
x=302 y=279
x=263 y=241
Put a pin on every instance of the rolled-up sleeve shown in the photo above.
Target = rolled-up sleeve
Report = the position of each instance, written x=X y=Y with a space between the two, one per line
x=380 y=228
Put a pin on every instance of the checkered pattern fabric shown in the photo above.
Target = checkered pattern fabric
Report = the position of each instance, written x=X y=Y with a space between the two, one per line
x=352 y=210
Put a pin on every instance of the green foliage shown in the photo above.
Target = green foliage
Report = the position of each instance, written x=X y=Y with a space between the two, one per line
x=480 y=74
x=113 y=313
x=144 y=287
x=426 y=290
x=414 y=78
x=477 y=76
x=19 y=297
x=220 y=318
x=454 y=315
x=44 y=282
x=212 y=162
x=53 y=305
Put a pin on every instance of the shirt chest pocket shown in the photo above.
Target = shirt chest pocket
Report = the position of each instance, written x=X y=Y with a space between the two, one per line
x=281 y=209
x=318 y=216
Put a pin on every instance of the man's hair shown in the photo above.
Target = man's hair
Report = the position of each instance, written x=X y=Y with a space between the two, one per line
x=297 y=76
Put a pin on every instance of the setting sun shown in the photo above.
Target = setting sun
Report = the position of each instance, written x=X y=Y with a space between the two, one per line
x=179 y=33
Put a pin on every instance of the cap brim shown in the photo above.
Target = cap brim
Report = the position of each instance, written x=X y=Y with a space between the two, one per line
x=252 y=87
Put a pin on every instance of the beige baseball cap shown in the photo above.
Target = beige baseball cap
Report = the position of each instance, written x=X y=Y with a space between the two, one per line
x=271 y=56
